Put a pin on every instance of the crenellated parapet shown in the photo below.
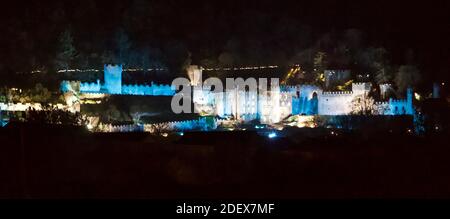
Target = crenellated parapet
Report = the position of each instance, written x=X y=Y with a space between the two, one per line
x=137 y=89
x=361 y=85
x=381 y=103
x=120 y=128
x=290 y=88
x=163 y=89
x=336 y=93
x=287 y=93
x=200 y=124
x=67 y=86
x=91 y=93
x=148 y=90
x=397 y=100
x=90 y=87
x=27 y=106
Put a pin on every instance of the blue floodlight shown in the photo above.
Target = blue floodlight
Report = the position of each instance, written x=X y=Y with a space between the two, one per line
x=272 y=135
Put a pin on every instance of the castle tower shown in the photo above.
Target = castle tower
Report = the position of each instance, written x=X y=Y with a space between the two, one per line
x=113 y=78
x=361 y=88
x=384 y=89
x=195 y=75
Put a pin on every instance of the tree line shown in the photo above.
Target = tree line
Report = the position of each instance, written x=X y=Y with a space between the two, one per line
x=143 y=34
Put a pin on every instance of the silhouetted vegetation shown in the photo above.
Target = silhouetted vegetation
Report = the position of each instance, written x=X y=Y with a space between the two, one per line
x=52 y=115
x=307 y=163
x=153 y=34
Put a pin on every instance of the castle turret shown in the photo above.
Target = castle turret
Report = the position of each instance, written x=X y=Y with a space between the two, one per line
x=113 y=78
x=384 y=90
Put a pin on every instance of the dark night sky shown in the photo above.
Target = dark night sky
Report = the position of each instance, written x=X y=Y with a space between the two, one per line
x=423 y=26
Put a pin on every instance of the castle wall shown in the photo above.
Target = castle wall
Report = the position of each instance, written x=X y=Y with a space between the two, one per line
x=219 y=103
x=67 y=86
x=247 y=105
x=200 y=124
x=382 y=108
x=270 y=106
x=335 y=103
x=274 y=106
x=90 y=87
x=399 y=107
x=396 y=107
x=137 y=89
x=148 y=90
x=306 y=102
x=201 y=96
x=285 y=104
x=240 y=104
x=26 y=106
x=268 y=109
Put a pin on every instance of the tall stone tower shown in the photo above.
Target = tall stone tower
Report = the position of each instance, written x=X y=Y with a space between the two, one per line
x=361 y=88
x=113 y=78
x=195 y=75
x=384 y=90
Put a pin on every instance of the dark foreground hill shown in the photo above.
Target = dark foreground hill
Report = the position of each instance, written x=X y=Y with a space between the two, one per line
x=68 y=162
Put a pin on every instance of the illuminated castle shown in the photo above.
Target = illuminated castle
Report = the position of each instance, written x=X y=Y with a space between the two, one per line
x=269 y=107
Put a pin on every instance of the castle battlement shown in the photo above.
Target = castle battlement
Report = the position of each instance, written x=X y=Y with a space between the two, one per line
x=381 y=103
x=337 y=93
x=397 y=100
x=93 y=93
x=286 y=93
x=70 y=81
x=289 y=87
x=361 y=85
x=90 y=83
